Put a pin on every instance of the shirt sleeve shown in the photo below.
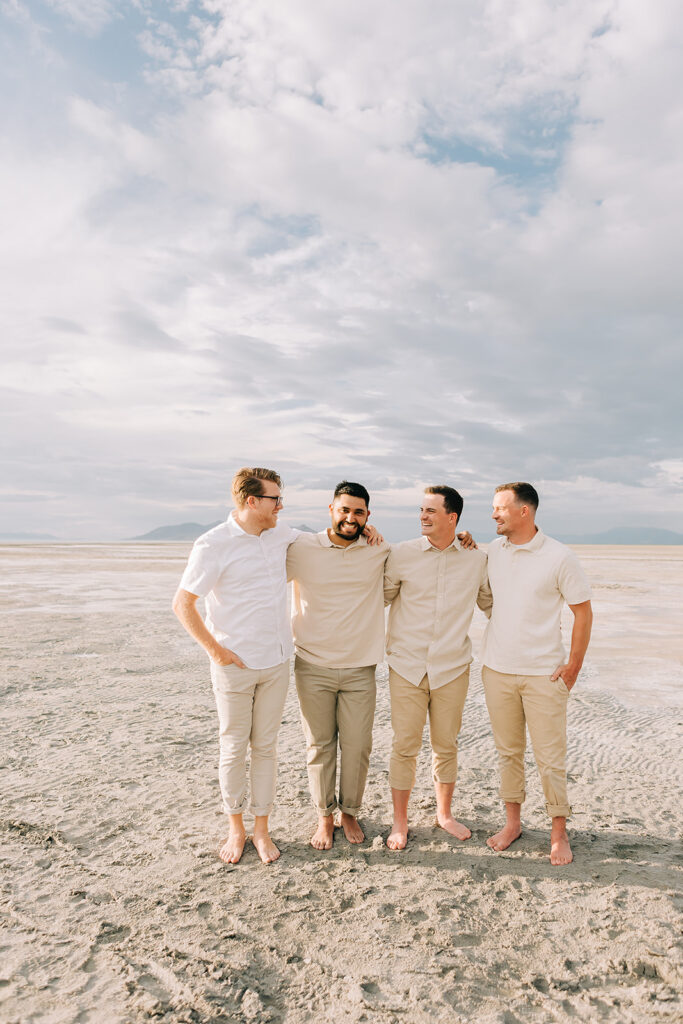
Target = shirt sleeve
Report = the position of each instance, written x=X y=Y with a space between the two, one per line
x=292 y=556
x=392 y=579
x=485 y=597
x=202 y=570
x=572 y=582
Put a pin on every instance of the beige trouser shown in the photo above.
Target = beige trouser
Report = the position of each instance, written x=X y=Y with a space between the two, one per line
x=336 y=704
x=541 y=703
x=249 y=703
x=410 y=705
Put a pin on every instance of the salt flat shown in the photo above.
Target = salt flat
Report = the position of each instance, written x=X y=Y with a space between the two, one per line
x=115 y=907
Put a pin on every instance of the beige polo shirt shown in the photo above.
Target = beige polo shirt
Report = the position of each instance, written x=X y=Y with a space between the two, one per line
x=432 y=595
x=337 y=606
x=530 y=583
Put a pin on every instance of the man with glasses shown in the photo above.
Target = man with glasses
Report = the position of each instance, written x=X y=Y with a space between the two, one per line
x=239 y=569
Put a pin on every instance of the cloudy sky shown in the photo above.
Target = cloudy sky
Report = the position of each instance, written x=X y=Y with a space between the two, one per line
x=402 y=242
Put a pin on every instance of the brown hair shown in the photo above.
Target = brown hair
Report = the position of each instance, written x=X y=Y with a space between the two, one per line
x=524 y=493
x=452 y=500
x=247 y=483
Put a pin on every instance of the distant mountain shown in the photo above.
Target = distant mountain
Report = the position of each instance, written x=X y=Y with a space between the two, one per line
x=181 y=531
x=627 y=535
x=190 y=531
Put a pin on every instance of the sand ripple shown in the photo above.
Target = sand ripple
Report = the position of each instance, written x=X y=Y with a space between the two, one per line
x=114 y=906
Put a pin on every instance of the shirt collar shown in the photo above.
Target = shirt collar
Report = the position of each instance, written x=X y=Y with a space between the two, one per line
x=324 y=538
x=534 y=544
x=235 y=527
x=238 y=531
x=427 y=545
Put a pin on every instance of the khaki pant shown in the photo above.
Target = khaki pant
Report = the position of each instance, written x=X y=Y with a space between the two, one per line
x=249 y=703
x=515 y=702
x=337 y=704
x=410 y=705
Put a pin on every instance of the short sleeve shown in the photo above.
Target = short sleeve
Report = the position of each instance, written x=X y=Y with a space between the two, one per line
x=291 y=562
x=572 y=582
x=485 y=597
x=203 y=568
x=392 y=578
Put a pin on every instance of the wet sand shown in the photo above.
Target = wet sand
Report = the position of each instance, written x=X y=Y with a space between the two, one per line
x=115 y=907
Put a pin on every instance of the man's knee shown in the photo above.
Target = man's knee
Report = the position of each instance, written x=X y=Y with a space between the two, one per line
x=445 y=766
x=232 y=751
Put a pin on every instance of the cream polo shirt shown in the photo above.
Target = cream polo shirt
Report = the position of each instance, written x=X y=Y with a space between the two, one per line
x=243 y=580
x=337 y=609
x=530 y=583
x=432 y=595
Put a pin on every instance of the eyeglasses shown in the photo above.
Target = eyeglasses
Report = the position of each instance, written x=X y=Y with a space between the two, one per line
x=277 y=498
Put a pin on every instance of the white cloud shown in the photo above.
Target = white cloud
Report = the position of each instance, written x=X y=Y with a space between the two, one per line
x=349 y=240
x=89 y=15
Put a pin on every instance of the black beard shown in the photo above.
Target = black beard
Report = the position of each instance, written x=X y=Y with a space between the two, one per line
x=346 y=536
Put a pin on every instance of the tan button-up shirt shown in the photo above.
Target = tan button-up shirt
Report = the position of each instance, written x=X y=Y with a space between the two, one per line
x=432 y=595
x=337 y=607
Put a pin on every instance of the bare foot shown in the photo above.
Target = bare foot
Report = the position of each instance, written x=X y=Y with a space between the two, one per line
x=324 y=834
x=560 y=850
x=399 y=836
x=453 y=827
x=506 y=837
x=233 y=847
x=265 y=847
x=352 y=830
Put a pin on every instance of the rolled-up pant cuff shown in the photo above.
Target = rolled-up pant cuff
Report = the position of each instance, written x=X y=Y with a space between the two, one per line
x=346 y=809
x=558 y=810
x=235 y=810
x=402 y=779
x=325 y=812
x=512 y=798
x=262 y=811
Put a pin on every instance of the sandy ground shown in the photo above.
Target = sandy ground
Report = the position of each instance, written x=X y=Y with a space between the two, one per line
x=115 y=908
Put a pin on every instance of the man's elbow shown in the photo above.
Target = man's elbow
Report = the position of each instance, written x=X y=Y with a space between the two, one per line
x=583 y=613
x=179 y=603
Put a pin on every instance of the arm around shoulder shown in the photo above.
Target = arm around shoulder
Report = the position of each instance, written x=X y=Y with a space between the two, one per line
x=392 y=579
x=485 y=596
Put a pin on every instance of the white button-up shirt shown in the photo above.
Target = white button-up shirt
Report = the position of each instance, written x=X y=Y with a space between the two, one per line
x=530 y=583
x=243 y=579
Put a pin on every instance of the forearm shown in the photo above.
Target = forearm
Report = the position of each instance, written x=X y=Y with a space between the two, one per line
x=581 y=634
x=188 y=615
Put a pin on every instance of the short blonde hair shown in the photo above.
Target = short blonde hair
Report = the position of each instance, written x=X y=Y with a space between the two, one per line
x=247 y=482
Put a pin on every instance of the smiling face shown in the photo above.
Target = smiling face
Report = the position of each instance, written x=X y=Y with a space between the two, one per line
x=437 y=523
x=349 y=516
x=266 y=506
x=512 y=517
